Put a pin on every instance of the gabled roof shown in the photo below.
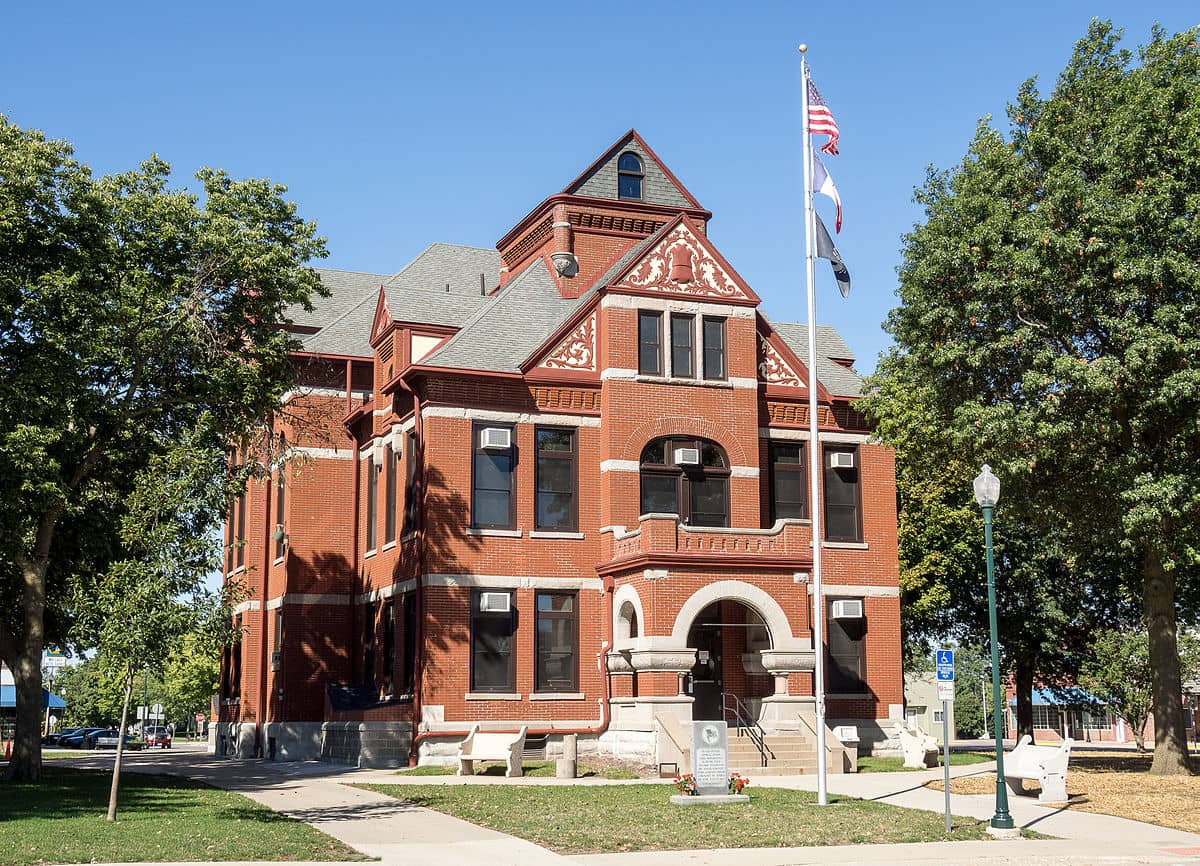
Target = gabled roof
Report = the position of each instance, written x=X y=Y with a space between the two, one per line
x=344 y=317
x=837 y=379
x=659 y=185
x=442 y=285
x=346 y=289
x=515 y=322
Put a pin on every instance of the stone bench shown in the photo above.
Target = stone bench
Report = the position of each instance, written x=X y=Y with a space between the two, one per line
x=491 y=747
x=1047 y=765
x=920 y=749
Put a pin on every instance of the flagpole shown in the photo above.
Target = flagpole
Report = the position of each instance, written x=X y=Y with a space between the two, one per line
x=814 y=449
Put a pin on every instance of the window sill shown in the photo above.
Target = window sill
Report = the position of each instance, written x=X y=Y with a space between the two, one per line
x=683 y=380
x=369 y=553
x=278 y=561
x=846 y=545
x=388 y=546
x=492 y=696
x=547 y=533
x=494 y=533
x=556 y=696
x=407 y=537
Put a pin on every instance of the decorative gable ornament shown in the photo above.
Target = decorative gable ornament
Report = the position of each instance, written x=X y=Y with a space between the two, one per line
x=773 y=369
x=682 y=264
x=577 y=351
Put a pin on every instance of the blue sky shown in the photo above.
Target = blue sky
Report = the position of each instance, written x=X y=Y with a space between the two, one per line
x=398 y=124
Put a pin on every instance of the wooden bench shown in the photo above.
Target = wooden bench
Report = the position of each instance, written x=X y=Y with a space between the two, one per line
x=1045 y=764
x=920 y=749
x=491 y=747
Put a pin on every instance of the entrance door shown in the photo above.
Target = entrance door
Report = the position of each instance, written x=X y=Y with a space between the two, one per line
x=707 y=682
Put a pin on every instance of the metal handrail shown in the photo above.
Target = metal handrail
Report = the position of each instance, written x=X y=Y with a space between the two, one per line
x=746 y=725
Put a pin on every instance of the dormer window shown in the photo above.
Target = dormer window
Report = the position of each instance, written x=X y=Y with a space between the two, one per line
x=629 y=176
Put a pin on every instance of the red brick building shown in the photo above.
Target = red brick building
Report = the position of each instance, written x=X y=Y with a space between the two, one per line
x=560 y=484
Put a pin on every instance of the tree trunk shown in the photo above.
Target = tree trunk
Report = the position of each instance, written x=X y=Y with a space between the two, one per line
x=1158 y=601
x=1138 y=729
x=116 y=779
x=26 y=763
x=1024 y=686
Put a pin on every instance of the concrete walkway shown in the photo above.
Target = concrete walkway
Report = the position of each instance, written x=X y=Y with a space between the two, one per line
x=402 y=834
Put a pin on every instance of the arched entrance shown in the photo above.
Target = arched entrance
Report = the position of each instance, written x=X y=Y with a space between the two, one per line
x=729 y=638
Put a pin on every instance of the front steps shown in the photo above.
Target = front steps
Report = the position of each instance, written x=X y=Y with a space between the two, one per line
x=787 y=755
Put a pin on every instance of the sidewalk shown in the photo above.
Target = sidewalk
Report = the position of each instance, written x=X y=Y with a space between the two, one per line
x=401 y=834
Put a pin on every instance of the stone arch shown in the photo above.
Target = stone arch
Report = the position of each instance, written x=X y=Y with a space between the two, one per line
x=626 y=598
x=685 y=425
x=758 y=600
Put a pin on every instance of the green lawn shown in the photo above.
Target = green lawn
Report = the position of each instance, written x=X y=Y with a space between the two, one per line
x=163 y=818
x=591 y=818
x=535 y=769
x=871 y=764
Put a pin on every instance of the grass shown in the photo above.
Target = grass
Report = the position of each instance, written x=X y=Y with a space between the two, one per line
x=1113 y=783
x=871 y=764
x=534 y=769
x=56 y=754
x=61 y=819
x=589 y=819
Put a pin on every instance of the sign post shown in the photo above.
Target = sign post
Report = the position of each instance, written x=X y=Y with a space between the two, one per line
x=945 y=687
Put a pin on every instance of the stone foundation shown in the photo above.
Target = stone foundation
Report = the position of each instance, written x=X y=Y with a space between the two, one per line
x=366 y=744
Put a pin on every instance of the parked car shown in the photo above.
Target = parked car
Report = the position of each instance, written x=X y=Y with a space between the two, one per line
x=156 y=735
x=80 y=739
x=108 y=740
x=56 y=738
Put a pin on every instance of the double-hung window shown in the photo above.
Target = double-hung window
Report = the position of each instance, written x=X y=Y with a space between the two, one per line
x=389 y=645
x=713 y=341
x=688 y=477
x=847 y=653
x=557 y=642
x=493 y=481
x=557 y=480
x=389 y=495
x=240 y=541
x=843 y=496
x=280 y=508
x=493 y=667
x=682 y=351
x=788 y=489
x=409 y=669
x=368 y=670
x=372 y=503
x=410 y=485
x=650 y=343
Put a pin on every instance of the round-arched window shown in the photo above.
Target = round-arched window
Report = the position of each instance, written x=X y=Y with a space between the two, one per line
x=629 y=176
x=686 y=476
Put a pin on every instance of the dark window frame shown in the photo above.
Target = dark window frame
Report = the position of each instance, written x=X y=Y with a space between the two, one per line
x=685 y=479
x=240 y=541
x=389 y=495
x=721 y=350
x=408 y=670
x=848 y=633
x=476 y=452
x=235 y=667
x=510 y=685
x=368 y=645
x=657 y=317
x=800 y=468
x=280 y=511
x=572 y=523
x=372 y=509
x=388 y=618
x=410 y=486
x=540 y=683
x=624 y=172
x=827 y=472
x=688 y=320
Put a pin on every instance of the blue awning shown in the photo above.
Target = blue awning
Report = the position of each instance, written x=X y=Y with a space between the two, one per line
x=1073 y=697
x=8 y=699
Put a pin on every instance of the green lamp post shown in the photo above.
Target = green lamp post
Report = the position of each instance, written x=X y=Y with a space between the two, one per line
x=987 y=494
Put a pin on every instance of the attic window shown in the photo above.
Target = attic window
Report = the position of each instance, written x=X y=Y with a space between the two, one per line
x=629 y=176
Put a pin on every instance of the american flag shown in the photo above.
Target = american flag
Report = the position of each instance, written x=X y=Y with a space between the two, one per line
x=820 y=120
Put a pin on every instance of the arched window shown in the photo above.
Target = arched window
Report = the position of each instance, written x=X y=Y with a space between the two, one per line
x=629 y=176
x=688 y=477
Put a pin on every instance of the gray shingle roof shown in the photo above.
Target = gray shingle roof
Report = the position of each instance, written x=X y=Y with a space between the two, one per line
x=838 y=380
x=657 y=186
x=518 y=319
x=346 y=288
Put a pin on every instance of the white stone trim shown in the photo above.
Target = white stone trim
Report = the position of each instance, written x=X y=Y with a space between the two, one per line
x=386 y=410
x=755 y=598
x=624 y=374
x=384 y=592
x=789 y=434
x=619 y=466
x=311 y=392
x=245 y=606
x=493 y=533
x=563 y=536
x=672 y=305
x=389 y=546
x=307 y=598
x=655 y=573
x=845 y=545
x=743 y=471
x=626 y=593
x=859 y=590
x=322 y=453
x=492 y=696
x=556 y=696
x=506 y=581
x=509 y=417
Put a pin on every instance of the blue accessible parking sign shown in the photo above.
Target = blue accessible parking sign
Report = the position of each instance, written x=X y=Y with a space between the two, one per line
x=945 y=665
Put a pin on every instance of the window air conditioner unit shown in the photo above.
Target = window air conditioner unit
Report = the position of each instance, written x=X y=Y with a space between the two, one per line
x=848 y=608
x=495 y=602
x=687 y=456
x=495 y=437
x=841 y=460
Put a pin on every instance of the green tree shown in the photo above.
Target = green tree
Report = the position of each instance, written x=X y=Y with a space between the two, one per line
x=191 y=676
x=1049 y=310
x=972 y=681
x=133 y=316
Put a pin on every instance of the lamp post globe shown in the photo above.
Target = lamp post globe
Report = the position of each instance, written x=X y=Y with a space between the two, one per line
x=987 y=494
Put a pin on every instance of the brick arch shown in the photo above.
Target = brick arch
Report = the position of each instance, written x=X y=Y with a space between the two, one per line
x=684 y=425
x=753 y=597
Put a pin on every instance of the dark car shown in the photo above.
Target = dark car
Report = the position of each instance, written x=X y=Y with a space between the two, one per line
x=80 y=739
x=157 y=735
x=56 y=738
